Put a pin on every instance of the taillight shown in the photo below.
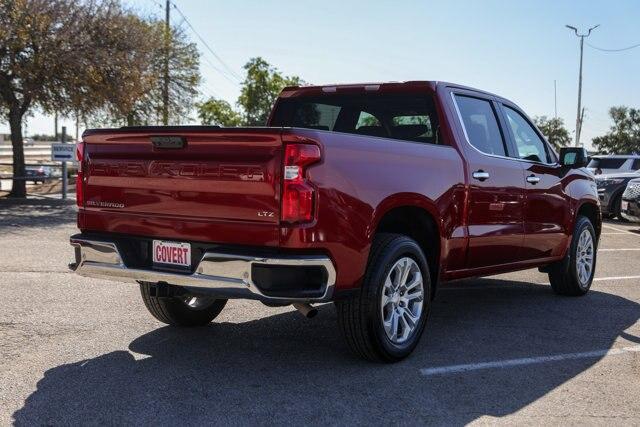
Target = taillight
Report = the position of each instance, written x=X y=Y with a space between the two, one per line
x=298 y=194
x=80 y=175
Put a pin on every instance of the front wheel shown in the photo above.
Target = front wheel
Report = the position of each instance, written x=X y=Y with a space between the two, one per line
x=183 y=310
x=574 y=274
x=385 y=320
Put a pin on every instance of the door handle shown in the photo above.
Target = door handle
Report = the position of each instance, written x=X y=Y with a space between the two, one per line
x=480 y=175
x=532 y=179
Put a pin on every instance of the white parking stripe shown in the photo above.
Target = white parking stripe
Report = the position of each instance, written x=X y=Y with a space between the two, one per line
x=467 y=288
x=599 y=279
x=615 y=232
x=499 y=364
x=618 y=249
x=623 y=231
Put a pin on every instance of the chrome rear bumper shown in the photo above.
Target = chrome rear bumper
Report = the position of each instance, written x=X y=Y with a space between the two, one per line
x=218 y=274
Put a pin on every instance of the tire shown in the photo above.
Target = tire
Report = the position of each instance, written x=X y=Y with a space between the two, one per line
x=565 y=276
x=185 y=310
x=361 y=316
x=616 y=208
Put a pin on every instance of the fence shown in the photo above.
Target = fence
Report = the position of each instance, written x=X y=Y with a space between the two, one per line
x=45 y=172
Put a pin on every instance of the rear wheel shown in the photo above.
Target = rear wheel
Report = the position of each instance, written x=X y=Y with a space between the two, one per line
x=574 y=274
x=385 y=320
x=183 y=310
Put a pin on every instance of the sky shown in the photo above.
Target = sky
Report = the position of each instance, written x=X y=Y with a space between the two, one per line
x=515 y=49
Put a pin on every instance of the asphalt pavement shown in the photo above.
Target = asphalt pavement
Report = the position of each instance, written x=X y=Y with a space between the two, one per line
x=502 y=349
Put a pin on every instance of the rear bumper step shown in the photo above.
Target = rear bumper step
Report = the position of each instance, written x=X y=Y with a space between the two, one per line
x=218 y=274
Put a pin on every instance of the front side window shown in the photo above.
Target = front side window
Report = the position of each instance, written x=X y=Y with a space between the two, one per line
x=481 y=125
x=528 y=143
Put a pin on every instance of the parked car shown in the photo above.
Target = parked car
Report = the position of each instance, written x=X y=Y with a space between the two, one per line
x=369 y=196
x=610 y=189
x=630 y=208
x=611 y=164
x=37 y=173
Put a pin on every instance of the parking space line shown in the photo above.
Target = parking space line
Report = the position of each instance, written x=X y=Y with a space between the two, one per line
x=618 y=249
x=467 y=288
x=599 y=279
x=623 y=231
x=613 y=233
x=499 y=364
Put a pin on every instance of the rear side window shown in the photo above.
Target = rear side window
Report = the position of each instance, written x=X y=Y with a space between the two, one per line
x=528 y=143
x=606 y=163
x=636 y=165
x=481 y=125
x=407 y=117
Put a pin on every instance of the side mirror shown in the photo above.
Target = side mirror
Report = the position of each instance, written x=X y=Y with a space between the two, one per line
x=574 y=157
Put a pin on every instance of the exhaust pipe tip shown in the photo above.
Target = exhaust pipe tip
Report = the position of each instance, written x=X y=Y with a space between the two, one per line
x=307 y=310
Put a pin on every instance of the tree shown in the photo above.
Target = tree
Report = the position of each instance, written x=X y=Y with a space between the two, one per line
x=260 y=89
x=554 y=130
x=624 y=135
x=68 y=56
x=184 y=78
x=218 y=112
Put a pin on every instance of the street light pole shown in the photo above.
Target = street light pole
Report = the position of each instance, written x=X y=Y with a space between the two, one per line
x=579 y=113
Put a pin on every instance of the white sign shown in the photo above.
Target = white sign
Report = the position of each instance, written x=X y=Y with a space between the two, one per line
x=63 y=152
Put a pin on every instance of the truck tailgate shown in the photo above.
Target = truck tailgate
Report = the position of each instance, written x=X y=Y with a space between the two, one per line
x=177 y=181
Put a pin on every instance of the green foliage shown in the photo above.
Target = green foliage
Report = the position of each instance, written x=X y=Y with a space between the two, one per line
x=624 y=135
x=218 y=112
x=74 y=57
x=260 y=89
x=554 y=130
x=258 y=93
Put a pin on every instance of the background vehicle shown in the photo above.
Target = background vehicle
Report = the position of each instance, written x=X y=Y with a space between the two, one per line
x=631 y=201
x=610 y=189
x=37 y=173
x=610 y=164
x=366 y=195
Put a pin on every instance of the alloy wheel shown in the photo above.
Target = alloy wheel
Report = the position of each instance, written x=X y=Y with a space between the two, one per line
x=402 y=300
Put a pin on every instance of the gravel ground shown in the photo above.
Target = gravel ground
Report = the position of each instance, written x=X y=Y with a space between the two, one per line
x=85 y=351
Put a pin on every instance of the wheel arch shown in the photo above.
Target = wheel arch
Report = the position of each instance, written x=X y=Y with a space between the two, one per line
x=415 y=216
x=592 y=211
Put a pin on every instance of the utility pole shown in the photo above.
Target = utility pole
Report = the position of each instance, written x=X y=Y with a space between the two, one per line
x=165 y=83
x=579 y=113
x=63 y=137
x=55 y=125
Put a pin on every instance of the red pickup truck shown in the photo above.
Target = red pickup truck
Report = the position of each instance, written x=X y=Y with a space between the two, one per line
x=366 y=195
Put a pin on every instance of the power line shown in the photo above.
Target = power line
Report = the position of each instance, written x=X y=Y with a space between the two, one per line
x=221 y=72
x=224 y=64
x=613 y=50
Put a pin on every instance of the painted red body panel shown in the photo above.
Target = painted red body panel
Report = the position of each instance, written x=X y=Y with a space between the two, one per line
x=225 y=188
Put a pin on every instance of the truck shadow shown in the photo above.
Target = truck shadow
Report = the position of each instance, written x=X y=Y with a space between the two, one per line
x=285 y=370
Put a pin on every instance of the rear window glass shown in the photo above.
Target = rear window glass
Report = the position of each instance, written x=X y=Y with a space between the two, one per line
x=404 y=117
x=316 y=116
x=606 y=163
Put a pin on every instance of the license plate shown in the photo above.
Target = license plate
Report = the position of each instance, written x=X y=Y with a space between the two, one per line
x=172 y=253
x=624 y=206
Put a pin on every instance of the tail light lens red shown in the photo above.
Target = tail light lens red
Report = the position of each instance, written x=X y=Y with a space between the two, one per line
x=80 y=175
x=298 y=194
